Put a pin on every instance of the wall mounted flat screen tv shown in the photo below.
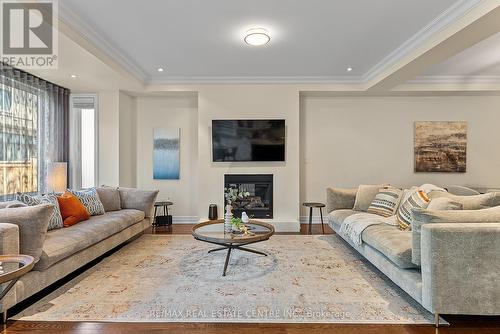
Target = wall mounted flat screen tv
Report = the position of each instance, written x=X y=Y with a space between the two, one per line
x=248 y=140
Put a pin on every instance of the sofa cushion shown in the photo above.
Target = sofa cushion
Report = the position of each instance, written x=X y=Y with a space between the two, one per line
x=72 y=210
x=474 y=202
x=32 y=222
x=90 y=199
x=110 y=198
x=132 y=198
x=56 y=220
x=422 y=217
x=365 y=195
x=62 y=243
x=337 y=217
x=386 y=202
x=444 y=203
x=339 y=198
x=12 y=204
x=417 y=198
x=391 y=242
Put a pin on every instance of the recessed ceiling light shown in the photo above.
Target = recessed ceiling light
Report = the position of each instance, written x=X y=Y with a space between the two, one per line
x=349 y=69
x=160 y=69
x=73 y=76
x=257 y=37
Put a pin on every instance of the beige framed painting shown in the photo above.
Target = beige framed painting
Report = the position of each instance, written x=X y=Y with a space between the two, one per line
x=440 y=147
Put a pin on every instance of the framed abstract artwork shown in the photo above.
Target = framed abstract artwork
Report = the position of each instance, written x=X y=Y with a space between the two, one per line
x=166 y=154
x=441 y=147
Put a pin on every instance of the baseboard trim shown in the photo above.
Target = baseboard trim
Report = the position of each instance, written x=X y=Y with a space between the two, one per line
x=185 y=220
x=315 y=220
x=280 y=226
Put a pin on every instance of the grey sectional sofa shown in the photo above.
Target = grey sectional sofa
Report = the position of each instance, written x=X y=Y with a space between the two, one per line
x=68 y=249
x=459 y=272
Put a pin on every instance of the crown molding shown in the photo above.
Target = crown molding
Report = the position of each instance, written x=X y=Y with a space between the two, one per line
x=450 y=15
x=258 y=80
x=456 y=79
x=72 y=20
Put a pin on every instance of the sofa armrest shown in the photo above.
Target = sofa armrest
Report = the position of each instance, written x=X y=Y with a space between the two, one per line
x=143 y=200
x=9 y=239
x=338 y=198
x=461 y=268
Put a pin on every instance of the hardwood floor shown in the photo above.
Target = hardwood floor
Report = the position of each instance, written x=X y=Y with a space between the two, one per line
x=458 y=324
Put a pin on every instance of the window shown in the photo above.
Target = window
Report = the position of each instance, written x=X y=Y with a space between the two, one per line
x=33 y=131
x=18 y=141
x=83 y=141
x=88 y=148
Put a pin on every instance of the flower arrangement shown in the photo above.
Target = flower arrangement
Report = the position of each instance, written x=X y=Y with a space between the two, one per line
x=233 y=194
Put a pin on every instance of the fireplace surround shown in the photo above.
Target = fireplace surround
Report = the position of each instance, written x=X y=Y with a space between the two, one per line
x=259 y=202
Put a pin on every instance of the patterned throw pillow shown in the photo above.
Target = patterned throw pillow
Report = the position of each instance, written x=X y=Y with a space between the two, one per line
x=56 y=220
x=90 y=200
x=386 y=202
x=417 y=199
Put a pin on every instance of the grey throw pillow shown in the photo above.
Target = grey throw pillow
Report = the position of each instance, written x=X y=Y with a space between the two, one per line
x=474 y=202
x=143 y=200
x=56 y=220
x=365 y=195
x=110 y=198
x=90 y=200
x=32 y=222
x=421 y=217
x=444 y=203
x=340 y=198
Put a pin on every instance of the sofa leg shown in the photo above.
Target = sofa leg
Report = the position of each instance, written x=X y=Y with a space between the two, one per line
x=436 y=320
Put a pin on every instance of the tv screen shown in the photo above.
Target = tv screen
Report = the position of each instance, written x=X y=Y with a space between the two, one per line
x=248 y=140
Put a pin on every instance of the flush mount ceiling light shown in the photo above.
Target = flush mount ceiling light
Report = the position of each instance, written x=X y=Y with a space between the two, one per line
x=160 y=69
x=257 y=37
x=73 y=76
x=349 y=69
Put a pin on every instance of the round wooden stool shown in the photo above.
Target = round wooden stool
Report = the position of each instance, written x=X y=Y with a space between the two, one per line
x=312 y=205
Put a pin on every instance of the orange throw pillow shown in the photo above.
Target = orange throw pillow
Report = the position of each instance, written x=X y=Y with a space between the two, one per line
x=72 y=210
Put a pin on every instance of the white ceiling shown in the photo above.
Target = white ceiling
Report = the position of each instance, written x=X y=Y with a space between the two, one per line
x=92 y=74
x=480 y=60
x=201 y=40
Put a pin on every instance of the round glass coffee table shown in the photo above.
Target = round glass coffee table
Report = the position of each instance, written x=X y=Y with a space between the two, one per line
x=213 y=233
x=12 y=267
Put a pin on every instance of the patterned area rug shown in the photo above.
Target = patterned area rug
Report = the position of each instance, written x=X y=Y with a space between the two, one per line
x=161 y=278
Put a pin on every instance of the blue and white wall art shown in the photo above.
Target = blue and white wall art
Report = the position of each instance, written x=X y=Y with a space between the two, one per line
x=166 y=163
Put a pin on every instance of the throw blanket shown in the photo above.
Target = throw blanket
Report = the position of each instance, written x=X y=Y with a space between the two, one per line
x=353 y=226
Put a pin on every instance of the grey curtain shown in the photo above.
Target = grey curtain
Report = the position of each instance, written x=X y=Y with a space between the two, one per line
x=34 y=130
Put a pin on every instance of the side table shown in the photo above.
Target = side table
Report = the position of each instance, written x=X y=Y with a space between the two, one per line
x=165 y=219
x=21 y=265
x=312 y=205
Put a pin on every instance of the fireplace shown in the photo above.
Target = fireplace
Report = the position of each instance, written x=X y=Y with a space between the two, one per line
x=257 y=201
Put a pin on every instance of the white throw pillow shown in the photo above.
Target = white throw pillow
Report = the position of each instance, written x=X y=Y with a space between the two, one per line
x=386 y=202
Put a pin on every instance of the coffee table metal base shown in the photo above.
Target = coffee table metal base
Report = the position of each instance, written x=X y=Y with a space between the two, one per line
x=230 y=247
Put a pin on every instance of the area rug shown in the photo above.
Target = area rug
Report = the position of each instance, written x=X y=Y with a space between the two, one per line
x=162 y=278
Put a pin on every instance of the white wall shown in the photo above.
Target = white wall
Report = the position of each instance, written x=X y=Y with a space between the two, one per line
x=348 y=141
x=170 y=112
x=250 y=101
x=128 y=139
x=331 y=141
x=109 y=138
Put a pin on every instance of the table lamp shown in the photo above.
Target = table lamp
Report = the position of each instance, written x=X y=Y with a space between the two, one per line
x=57 y=180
